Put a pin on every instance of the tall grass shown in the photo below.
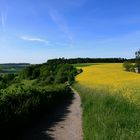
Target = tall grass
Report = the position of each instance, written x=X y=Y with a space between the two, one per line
x=108 y=116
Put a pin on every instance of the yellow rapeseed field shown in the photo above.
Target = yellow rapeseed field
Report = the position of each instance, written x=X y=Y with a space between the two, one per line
x=112 y=77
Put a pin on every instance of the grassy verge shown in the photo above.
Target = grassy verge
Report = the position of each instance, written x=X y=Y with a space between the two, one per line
x=83 y=64
x=108 y=116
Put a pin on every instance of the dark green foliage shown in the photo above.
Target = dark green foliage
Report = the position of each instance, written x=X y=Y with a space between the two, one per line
x=27 y=73
x=36 y=73
x=49 y=73
x=45 y=71
x=65 y=73
x=1 y=68
x=2 y=83
x=137 y=54
x=86 y=60
x=8 y=77
x=71 y=79
x=128 y=66
x=18 y=104
x=79 y=71
x=34 y=90
x=6 y=80
x=49 y=80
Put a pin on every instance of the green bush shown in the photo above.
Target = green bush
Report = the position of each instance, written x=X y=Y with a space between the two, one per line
x=66 y=72
x=18 y=104
x=128 y=66
x=49 y=73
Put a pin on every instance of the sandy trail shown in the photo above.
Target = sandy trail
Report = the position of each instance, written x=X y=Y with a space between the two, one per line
x=65 y=123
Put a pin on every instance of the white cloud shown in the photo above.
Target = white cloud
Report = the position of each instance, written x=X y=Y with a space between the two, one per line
x=34 y=39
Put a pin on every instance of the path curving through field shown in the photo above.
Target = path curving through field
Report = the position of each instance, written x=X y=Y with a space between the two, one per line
x=65 y=123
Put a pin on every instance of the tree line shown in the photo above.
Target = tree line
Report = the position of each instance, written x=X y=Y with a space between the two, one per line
x=87 y=60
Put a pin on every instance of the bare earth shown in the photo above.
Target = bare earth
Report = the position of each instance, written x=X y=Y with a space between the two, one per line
x=65 y=123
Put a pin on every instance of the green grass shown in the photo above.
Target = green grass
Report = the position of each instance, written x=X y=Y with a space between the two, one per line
x=108 y=117
x=82 y=64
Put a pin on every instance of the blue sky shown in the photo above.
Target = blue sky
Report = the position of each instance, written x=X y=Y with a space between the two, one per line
x=36 y=30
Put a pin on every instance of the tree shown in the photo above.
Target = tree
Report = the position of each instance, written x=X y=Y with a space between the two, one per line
x=137 y=55
x=26 y=73
x=65 y=72
x=36 y=73
x=45 y=72
x=1 y=68
x=128 y=66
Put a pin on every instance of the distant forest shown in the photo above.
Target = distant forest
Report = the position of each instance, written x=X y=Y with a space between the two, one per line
x=88 y=60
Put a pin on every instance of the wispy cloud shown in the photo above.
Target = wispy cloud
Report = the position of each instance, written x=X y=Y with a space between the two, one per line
x=3 y=17
x=34 y=39
x=61 y=23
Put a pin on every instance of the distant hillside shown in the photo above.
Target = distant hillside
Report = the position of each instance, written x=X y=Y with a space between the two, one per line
x=15 y=64
x=12 y=67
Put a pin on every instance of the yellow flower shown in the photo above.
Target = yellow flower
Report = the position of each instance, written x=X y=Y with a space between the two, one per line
x=111 y=77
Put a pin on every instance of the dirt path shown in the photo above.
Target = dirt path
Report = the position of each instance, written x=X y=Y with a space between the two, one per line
x=65 y=123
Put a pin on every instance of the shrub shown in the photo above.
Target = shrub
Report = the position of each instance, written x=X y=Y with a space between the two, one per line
x=128 y=66
x=19 y=104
